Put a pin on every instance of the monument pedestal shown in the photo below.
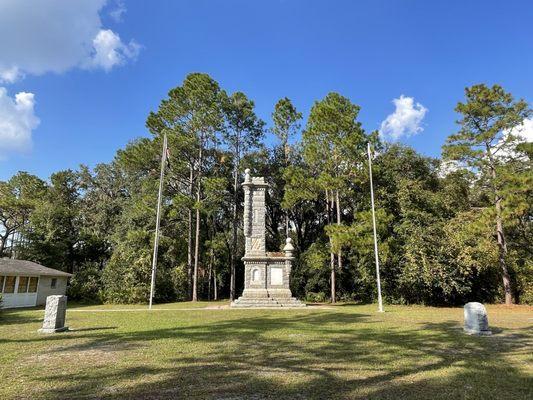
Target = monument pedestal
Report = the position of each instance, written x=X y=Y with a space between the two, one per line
x=53 y=330
x=266 y=275
x=267 y=302
x=263 y=298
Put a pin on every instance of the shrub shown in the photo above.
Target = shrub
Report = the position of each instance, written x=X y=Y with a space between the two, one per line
x=127 y=276
x=525 y=284
x=86 y=284
x=312 y=297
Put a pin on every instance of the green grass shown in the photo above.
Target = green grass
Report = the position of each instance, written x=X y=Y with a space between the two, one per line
x=344 y=352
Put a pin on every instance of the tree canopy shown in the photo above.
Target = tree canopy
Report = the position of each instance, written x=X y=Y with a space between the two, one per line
x=450 y=230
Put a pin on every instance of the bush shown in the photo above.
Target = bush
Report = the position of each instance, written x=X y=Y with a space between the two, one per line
x=315 y=268
x=312 y=297
x=127 y=276
x=525 y=284
x=86 y=284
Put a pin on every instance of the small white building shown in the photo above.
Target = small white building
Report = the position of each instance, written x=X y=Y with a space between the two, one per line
x=27 y=284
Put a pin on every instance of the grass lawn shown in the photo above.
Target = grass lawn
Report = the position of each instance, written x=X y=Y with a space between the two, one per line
x=345 y=352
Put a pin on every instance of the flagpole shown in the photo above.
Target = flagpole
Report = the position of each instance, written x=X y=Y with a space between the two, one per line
x=156 y=239
x=380 y=302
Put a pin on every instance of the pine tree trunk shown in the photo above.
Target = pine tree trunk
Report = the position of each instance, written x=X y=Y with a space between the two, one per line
x=209 y=276
x=215 y=284
x=339 y=254
x=331 y=254
x=233 y=239
x=235 y=220
x=17 y=242
x=502 y=252
x=12 y=244
x=286 y=160
x=333 y=280
x=196 y=251
x=11 y=247
x=189 y=235
x=502 y=246
x=197 y=233
x=286 y=225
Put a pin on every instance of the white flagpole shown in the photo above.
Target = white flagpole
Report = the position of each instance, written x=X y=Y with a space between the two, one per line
x=156 y=239
x=380 y=302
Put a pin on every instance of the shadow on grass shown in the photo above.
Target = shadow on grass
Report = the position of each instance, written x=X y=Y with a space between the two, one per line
x=15 y=316
x=96 y=328
x=83 y=304
x=318 y=356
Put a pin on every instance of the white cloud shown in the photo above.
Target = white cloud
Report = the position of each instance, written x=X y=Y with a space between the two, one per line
x=56 y=35
x=525 y=131
x=406 y=120
x=506 y=147
x=10 y=75
x=17 y=121
x=448 y=167
x=109 y=50
x=118 y=12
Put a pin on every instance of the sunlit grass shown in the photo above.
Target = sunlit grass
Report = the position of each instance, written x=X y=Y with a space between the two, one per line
x=346 y=351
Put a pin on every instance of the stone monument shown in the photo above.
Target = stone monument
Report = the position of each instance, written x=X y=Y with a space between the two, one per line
x=54 y=314
x=476 y=322
x=266 y=275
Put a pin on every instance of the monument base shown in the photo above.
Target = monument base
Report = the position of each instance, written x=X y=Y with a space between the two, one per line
x=477 y=333
x=53 y=330
x=267 y=298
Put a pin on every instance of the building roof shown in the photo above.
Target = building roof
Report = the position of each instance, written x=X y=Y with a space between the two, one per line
x=22 y=267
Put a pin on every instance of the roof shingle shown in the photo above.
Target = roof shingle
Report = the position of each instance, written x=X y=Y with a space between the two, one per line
x=23 y=267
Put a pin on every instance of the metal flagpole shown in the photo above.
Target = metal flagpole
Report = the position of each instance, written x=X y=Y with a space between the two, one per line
x=156 y=239
x=380 y=302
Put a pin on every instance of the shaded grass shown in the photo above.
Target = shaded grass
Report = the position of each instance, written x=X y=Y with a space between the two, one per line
x=348 y=352
x=166 y=306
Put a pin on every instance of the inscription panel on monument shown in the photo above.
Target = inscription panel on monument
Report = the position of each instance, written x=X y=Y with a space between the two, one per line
x=256 y=275
x=276 y=276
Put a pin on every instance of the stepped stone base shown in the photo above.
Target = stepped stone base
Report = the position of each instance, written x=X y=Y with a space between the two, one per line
x=262 y=298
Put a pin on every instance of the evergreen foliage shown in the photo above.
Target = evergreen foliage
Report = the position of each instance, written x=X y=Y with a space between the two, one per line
x=445 y=237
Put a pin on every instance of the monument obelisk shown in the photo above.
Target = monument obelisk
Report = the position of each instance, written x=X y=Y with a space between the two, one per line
x=266 y=275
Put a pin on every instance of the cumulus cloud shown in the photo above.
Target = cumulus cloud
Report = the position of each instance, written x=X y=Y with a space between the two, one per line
x=405 y=121
x=10 y=75
x=57 y=35
x=17 y=121
x=506 y=147
x=110 y=51
x=448 y=167
x=525 y=131
x=504 y=151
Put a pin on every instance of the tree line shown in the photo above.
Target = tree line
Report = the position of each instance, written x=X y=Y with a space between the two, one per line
x=450 y=230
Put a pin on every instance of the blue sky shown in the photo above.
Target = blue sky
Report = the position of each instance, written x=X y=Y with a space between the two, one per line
x=87 y=91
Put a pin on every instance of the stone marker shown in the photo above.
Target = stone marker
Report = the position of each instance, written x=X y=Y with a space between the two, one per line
x=54 y=314
x=476 y=322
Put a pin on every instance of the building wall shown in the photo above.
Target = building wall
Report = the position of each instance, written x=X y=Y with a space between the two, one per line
x=17 y=298
x=46 y=290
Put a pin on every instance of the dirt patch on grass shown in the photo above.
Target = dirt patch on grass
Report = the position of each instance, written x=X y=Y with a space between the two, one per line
x=97 y=356
x=81 y=354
